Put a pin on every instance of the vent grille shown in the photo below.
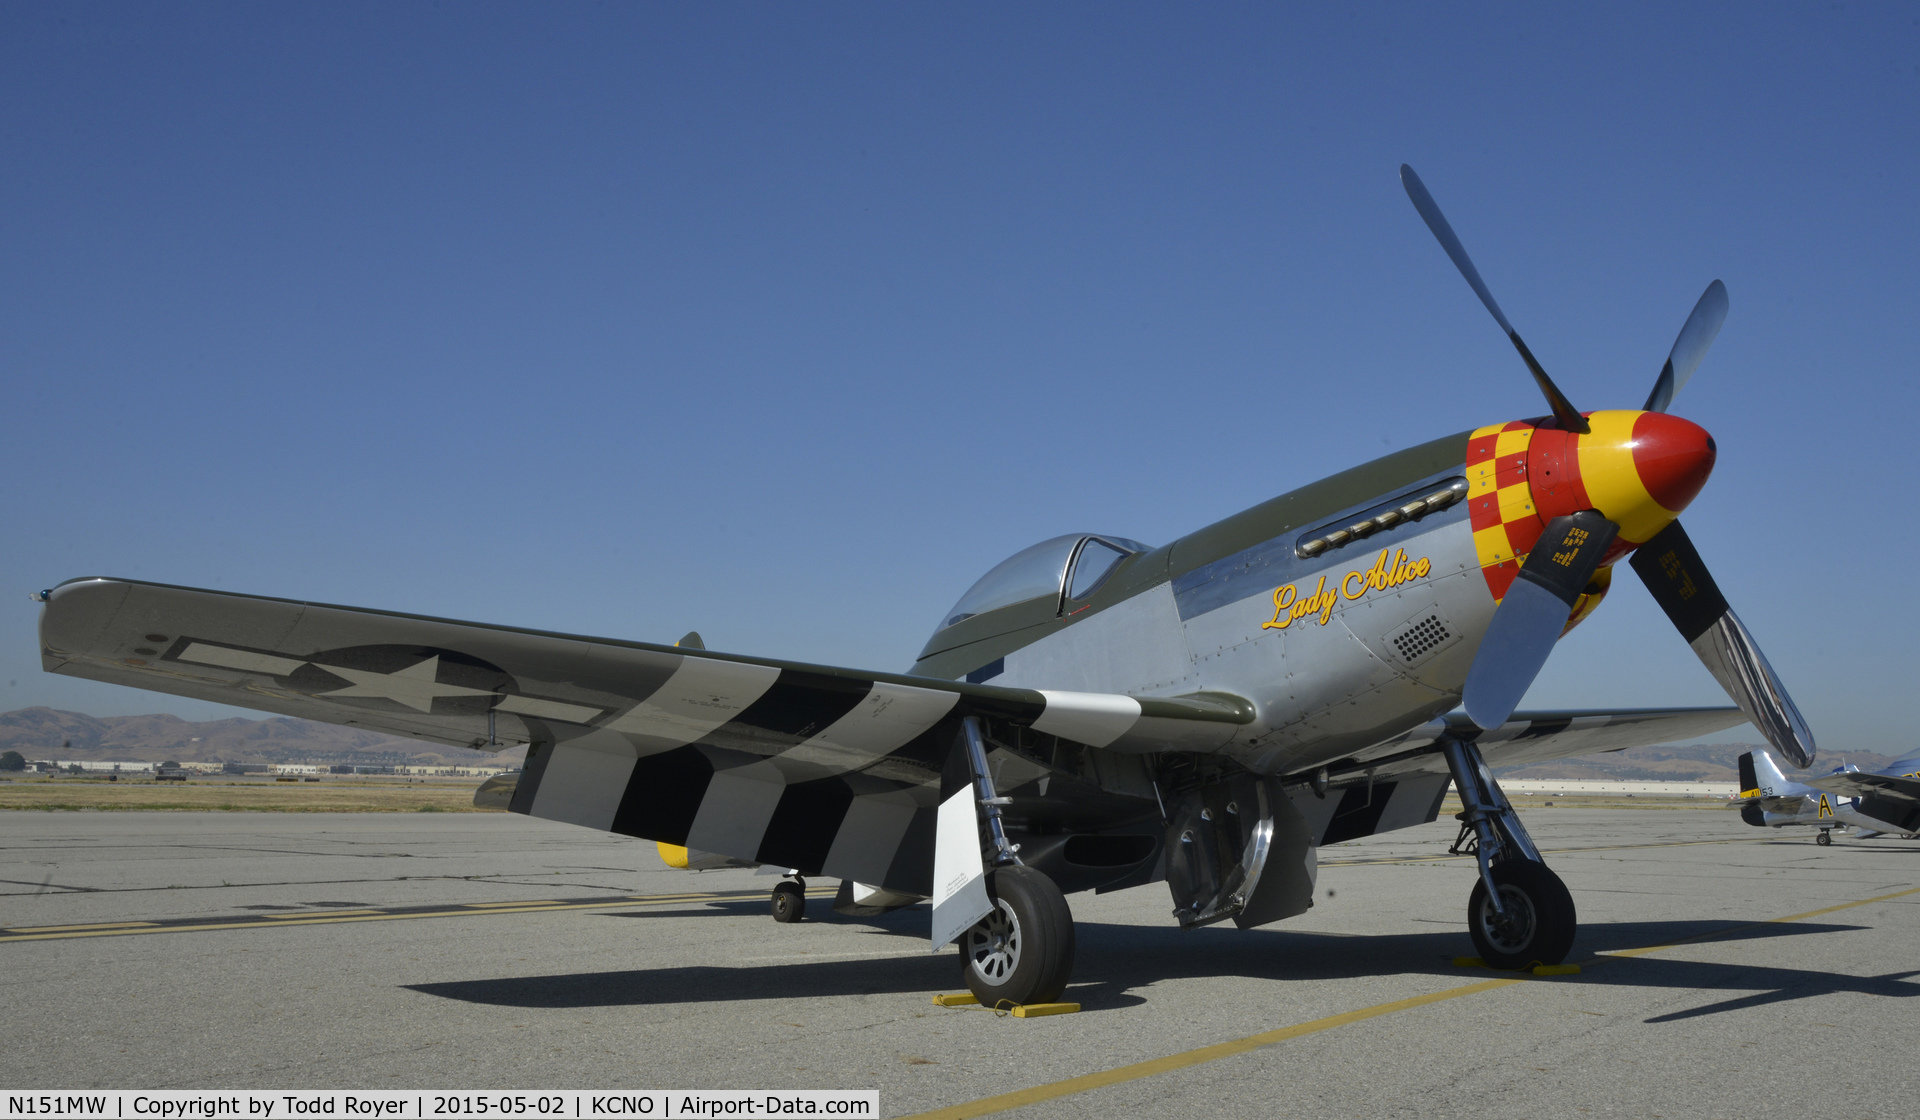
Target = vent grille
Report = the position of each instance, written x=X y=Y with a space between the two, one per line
x=1422 y=638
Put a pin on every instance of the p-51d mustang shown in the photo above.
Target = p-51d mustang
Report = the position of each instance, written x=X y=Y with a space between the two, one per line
x=1094 y=713
x=1869 y=802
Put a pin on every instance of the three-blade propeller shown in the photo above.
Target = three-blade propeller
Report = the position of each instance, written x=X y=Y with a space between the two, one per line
x=1534 y=613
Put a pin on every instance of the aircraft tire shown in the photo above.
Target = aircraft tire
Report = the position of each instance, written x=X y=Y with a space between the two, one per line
x=1022 y=952
x=788 y=903
x=1825 y=838
x=1542 y=932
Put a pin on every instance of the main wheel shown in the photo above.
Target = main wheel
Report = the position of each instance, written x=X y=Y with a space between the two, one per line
x=789 y=902
x=1021 y=952
x=1539 y=922
x=1825 y=838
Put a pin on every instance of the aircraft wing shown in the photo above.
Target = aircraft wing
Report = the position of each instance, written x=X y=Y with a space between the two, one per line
x=1530 y=737
x=1401 y=782
x=1854 y=783
x=824 y=769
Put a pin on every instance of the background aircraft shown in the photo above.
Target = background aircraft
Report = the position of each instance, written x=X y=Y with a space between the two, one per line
x=1870 y=803
x=1094 y=713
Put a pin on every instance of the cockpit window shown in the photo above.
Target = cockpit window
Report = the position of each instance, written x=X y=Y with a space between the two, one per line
x=1096 y=559
x=1027 y=574
x=1040 y=572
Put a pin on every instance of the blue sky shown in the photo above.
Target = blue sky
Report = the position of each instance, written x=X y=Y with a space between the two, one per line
x=784 y=322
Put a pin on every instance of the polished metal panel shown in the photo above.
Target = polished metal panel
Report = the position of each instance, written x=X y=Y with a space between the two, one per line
x=1135 y=646
x=1731 y=655
x=1690 y=348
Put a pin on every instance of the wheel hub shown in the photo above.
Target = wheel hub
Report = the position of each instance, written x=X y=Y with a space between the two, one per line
x=1513 y=931
x=993 y=944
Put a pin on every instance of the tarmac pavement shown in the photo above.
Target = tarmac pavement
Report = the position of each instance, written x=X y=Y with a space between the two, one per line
x=465 y=951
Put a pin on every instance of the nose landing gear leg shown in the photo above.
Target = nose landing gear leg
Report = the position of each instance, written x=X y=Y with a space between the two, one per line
x=1519 y=913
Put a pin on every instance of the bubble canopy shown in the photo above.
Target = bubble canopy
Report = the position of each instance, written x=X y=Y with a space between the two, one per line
x=1041 y=571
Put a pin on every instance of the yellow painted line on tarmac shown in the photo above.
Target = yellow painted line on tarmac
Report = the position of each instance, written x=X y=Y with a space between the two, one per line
x=320 y=914
x=93 y=925
x=1072 y=1086
x=332 y=917
x=1214 y=1053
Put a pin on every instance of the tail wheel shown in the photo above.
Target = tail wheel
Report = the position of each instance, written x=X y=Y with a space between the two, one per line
x=1022 y=951
x=1539 y=922
x=1824 y=838
x=789 y=902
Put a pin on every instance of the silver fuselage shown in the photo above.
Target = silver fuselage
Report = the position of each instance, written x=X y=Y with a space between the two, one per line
x=1371 y=659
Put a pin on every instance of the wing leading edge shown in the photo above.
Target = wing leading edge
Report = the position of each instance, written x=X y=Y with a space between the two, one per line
x=1529 y=737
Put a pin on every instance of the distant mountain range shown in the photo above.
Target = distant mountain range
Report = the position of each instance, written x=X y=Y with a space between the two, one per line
x=48 y=733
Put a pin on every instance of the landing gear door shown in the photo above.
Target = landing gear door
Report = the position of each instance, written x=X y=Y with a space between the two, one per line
x=959 y=876
x=1238 y=848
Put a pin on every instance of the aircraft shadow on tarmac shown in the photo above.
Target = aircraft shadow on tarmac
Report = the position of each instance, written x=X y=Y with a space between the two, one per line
x=1121 y=961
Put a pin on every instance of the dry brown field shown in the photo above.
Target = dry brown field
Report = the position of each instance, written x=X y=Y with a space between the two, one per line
x=199 y=795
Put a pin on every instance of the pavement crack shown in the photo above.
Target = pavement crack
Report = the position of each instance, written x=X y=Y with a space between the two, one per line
x=46 y=886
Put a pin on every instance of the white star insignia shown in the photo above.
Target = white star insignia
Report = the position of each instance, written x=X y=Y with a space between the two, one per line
x=416 y=686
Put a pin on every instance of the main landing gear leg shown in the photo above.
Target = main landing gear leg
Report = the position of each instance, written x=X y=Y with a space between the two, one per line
x=1022 y=951
x=1519 y=913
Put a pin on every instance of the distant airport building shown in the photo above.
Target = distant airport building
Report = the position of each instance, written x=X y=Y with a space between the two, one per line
x=93 y=766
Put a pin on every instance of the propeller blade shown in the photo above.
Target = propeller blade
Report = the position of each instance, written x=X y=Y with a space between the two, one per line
x=1701 y=329
x=1534 y=614
x=1567 y=416
x=1671 y=568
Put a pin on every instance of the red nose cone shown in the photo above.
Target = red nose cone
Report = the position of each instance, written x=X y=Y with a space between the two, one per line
x=1673 y=458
